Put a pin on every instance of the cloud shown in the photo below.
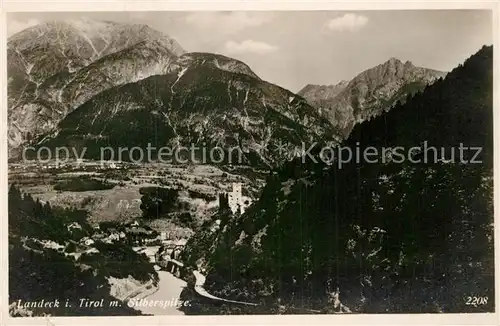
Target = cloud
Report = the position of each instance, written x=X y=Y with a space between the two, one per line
x=15 y=26
x=249 y=46
x=227 y=22
x=350 y=22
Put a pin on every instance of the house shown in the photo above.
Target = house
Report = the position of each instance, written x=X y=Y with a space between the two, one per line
x=87 y=241
x=109 y=165
x=73 y=226
x=75 y=255
x=150 y=252
x=141 y=234
x=91 y=251
x=99 y=235
x=52 y=244
x=215 y=226
x=113 y=237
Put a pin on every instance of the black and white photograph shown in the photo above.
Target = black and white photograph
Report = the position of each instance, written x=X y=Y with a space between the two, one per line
x=259 y=162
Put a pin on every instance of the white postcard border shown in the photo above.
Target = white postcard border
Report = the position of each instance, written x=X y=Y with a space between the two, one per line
x=338 y=319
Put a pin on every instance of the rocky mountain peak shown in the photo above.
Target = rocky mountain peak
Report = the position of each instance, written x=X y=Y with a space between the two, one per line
x=409 y=64
x=95 y=38
x=218 y=61
x=393 y=60
x=369 y=93
x=318 y=93
x=55 y=66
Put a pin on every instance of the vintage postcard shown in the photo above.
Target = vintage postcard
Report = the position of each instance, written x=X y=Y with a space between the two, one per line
x=307 y=164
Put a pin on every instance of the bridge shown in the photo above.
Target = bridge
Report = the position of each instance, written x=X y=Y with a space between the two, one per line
x=167 y=257
x=171 y=250
x=172 y=266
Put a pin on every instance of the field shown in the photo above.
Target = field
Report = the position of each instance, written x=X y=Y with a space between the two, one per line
x=112 y=192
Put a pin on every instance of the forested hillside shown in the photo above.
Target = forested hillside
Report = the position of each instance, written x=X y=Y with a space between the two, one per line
x=395 y=235
x=49 y=260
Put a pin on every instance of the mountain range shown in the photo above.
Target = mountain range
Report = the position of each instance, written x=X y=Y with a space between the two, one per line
x=86 y=83
x=207 y=99
x=89 y=84
x=56 y=66
x=370 y=93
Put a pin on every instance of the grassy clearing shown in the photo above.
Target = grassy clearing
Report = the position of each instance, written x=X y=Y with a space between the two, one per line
x=83 y=183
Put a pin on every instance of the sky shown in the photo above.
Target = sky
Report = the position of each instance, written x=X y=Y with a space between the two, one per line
x=295 y=48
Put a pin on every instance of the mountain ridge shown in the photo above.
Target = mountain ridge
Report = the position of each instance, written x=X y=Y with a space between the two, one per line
x=194 y=103
x=44 y=59
x=370 y=236
x=369 y=93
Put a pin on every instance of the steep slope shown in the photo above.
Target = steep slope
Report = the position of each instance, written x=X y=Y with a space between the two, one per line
x=317 y=95
x=221 y=62
x=370 y=93
x=390 y=236
x=50 y=261
x=56 y=66
x=207 y=99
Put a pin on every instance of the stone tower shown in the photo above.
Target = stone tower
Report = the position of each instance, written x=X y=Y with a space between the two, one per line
x=234 y=198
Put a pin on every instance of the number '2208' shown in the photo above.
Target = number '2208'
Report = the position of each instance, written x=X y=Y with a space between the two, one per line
x=476 y=301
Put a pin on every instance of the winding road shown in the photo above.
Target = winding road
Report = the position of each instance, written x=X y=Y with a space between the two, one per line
x=164 y=300
x=200 y=282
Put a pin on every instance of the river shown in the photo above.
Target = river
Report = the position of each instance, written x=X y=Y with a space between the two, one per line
x=169 y=289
